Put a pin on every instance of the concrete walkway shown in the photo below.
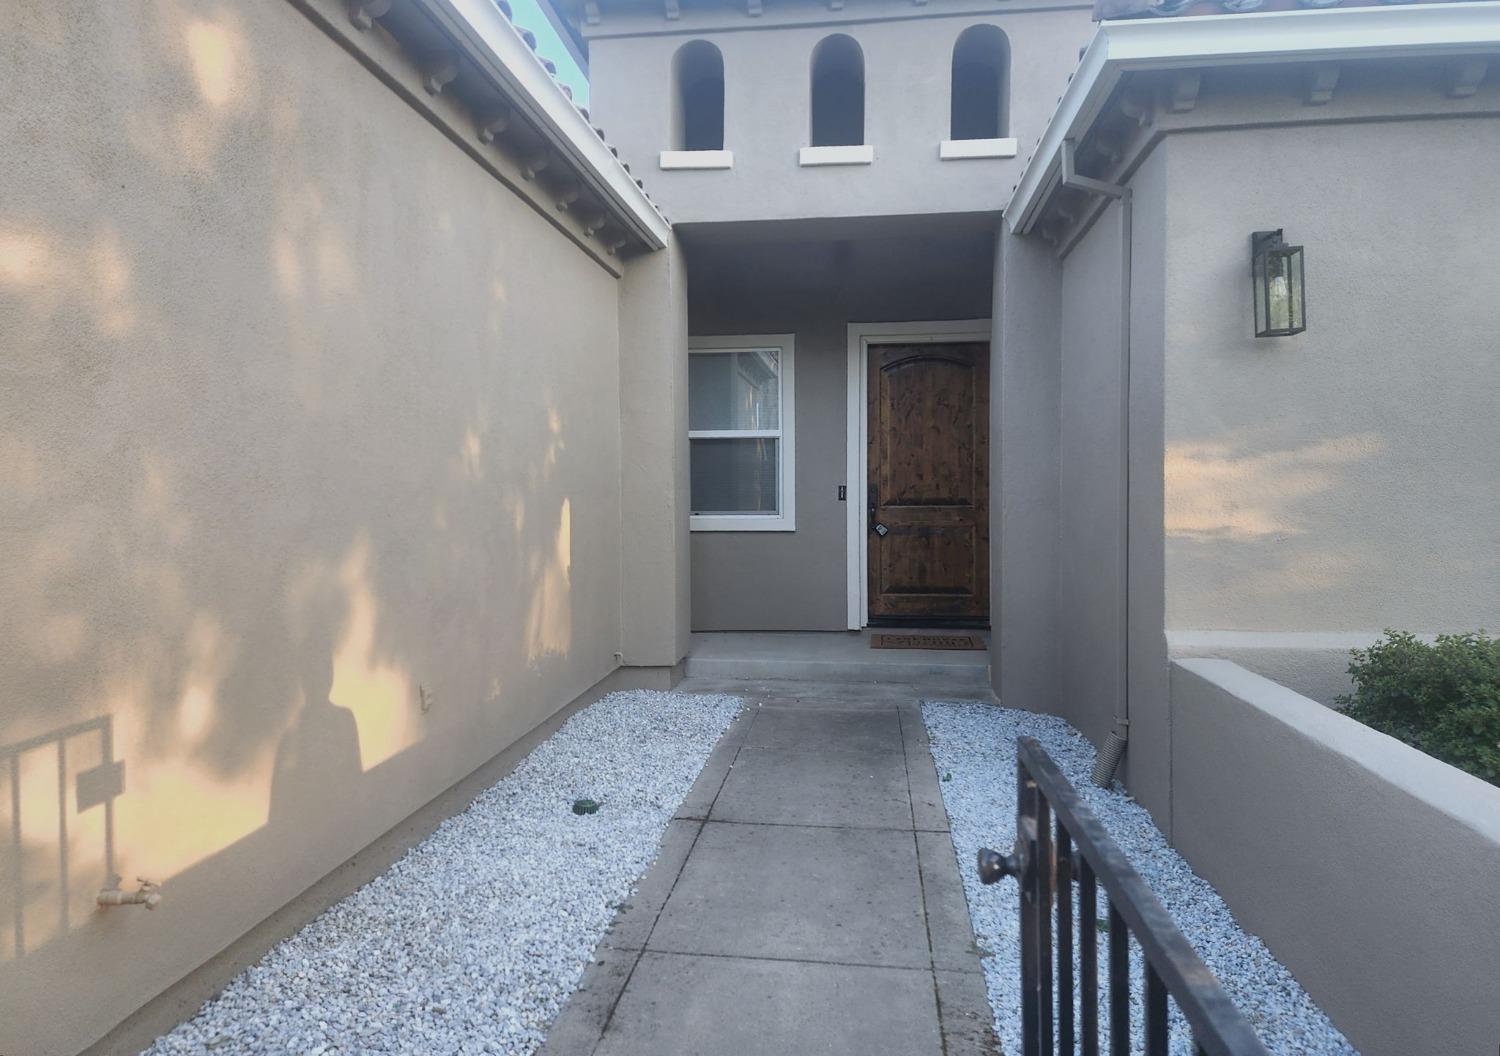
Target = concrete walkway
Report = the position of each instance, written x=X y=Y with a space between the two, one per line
x=805 y=900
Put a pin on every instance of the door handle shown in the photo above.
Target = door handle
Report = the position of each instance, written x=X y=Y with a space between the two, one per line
x=875 y=525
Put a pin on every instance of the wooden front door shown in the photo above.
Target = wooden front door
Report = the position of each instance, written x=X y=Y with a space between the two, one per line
x=928 y=493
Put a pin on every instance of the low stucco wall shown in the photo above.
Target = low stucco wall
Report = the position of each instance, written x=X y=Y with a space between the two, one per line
x=309 y=442
x=1313 y=664
x=1367 y=867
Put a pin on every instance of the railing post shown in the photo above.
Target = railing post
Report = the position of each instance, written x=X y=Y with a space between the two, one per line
x=1156 y=1013
x=1066 y=1042
x=1027 y=798
x=1119 y=983
x=1046 y=865
x=1088 y=957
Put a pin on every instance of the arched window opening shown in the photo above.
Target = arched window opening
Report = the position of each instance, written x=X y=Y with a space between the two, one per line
x=698 y=102
x=838 y=93
x=981 y=61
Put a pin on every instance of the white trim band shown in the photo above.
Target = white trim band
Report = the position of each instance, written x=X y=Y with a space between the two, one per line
x=862 y=154
x=960 y=149
x=696 y=159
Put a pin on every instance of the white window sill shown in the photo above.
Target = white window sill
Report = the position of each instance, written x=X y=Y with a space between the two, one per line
x=697 y=159
x=863 y=154
x=959 y=149
x=734 y=523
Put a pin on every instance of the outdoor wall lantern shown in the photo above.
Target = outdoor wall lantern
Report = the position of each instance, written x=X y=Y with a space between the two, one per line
x=1280 y=287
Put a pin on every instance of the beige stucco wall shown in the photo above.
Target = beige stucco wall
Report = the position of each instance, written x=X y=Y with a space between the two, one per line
x=1288 y=498
x=908 y=56
x=1293 y=497
x=1025 y=378
x=653 y=462
x=1091 y=486
x=1343 y=480
x=309 y=453
x=1320 y=488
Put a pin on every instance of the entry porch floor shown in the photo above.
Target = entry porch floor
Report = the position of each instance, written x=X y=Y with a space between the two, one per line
x=836 y=656
x=806 y=897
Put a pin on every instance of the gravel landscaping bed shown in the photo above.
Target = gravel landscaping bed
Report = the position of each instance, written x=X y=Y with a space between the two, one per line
x=973 y=746
x=472 y=942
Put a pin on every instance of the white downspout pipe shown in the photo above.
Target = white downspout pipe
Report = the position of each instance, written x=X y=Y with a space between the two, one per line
x=1110 y=753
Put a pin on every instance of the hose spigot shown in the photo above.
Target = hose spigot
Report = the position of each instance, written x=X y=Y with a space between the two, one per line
x=148 y=894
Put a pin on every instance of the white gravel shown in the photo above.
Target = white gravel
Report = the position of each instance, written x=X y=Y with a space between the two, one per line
x=472 y=942
x=973 y=745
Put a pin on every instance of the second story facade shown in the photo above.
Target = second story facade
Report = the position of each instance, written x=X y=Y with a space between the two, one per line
x=817 y=108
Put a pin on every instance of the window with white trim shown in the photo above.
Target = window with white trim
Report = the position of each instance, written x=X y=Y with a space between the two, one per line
x=740 y=442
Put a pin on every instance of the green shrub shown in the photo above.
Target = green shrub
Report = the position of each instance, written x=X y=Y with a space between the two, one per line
x=1443 y=699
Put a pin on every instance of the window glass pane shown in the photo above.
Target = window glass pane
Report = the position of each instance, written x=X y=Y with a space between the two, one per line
x=734 y=390
x=734 y=476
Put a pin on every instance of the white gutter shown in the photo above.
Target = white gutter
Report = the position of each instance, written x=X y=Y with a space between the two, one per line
x=1186 y=42
x=495 y=46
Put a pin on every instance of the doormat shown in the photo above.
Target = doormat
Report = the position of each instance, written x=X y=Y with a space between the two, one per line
x=926 y=641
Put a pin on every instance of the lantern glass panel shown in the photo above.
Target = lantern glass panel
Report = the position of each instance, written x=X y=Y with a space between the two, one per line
x=1296 y=290
x=1278 y=291
x=1258 y=288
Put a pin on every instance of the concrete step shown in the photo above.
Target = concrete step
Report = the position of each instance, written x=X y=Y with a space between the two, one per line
x=830 y=657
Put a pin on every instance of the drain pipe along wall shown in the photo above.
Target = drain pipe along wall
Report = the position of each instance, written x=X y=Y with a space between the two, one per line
x=1110 y=679
x=1113 y=748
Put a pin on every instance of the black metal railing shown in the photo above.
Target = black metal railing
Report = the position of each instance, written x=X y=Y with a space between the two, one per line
x=1061 y=846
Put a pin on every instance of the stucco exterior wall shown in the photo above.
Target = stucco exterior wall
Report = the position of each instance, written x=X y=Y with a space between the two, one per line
x=1025 y=381
x=1147 y=769
x=797 y=581
x=1066 y=617
x=1365 y=865
x=1344 y=480
x=908 y=56
x=308 y=439
x=653 y=461
x=1291 y=497
x=1091 y=486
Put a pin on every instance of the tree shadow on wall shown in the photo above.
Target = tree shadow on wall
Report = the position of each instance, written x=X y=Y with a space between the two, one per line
x=220 y=389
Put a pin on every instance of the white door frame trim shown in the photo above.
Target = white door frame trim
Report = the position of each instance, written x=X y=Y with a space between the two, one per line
x=856 y=429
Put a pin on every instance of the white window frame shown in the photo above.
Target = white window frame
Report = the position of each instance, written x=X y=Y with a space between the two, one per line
x=786 y=483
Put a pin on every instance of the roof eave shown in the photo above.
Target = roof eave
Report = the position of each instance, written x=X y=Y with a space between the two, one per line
x=1324 y=34
x=493 y=43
